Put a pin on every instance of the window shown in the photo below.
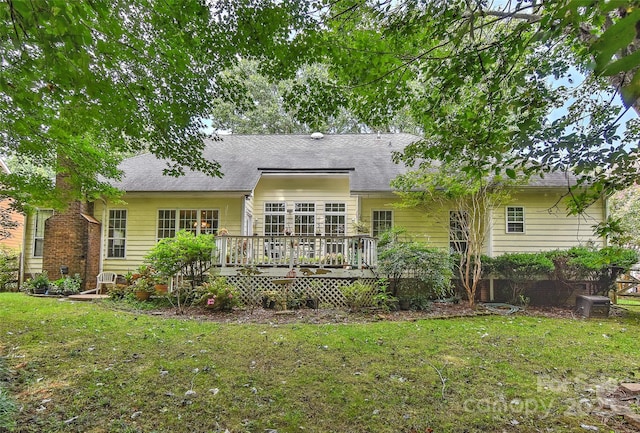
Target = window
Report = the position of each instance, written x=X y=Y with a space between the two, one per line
x=196 y=221
x=274 y=218
x=458 y=231
x=381 y=221
x=166 y=224
x=335 y=216
x=515 y=219
x=116 y=236
x=305 y=219
x=38 y=234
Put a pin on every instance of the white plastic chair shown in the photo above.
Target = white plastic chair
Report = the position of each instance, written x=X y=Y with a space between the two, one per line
x=105 y=278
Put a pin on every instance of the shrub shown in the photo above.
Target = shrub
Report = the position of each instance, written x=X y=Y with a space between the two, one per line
x=601 y=266
x=219 y=295
x=119 y=291
x=401 y=258
x=521 y=270
x=359 y=295
x=66 y=286
x=9 y=268
x=185 y=253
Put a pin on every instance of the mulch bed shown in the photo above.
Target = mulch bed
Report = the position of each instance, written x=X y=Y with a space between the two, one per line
x=321 y=316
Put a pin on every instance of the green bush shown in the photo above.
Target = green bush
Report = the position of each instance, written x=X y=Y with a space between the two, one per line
x=522 y=270
x=358 y=295
x=9 y=259
x=218 y=295
x=39 y=284
x=185 y=253
x=601 y=266
x=407 y=259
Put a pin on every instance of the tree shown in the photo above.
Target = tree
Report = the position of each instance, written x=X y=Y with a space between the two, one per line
x=493 y=90
x=472 y=198
x=83 y=82
x=623 y=225
x=283 y=106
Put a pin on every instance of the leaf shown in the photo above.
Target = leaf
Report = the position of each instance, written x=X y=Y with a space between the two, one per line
x=511 y=173
x=616 y=37
x=624 y=64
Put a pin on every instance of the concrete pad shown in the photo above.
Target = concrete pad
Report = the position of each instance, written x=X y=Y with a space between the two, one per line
x=88 y=297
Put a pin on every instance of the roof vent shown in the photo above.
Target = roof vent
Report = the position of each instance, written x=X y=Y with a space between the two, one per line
x=317 y=135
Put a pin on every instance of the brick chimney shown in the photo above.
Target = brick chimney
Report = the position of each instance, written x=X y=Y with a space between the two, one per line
x=72 y=240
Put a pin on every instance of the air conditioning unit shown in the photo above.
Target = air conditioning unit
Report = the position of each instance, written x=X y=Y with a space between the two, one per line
x=592 y=306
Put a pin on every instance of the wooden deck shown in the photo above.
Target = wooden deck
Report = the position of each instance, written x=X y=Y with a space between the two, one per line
x=351 y=252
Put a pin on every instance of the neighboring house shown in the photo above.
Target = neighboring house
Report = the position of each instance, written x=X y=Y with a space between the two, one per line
x=285 y=201
x=14 y=241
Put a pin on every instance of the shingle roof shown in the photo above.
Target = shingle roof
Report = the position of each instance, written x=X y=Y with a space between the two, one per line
x=243 y=157
x=366 y=157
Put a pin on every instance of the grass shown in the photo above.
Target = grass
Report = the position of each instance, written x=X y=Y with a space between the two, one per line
x=81 y=367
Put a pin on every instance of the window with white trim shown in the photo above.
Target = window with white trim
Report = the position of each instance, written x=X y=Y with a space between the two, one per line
x=274 y=218
x=38 y=233
x=117 y=233
x=304 y=219
x=381 y=221
x=335 y=217
x=515 y=219
x=166 y=223
x=196 y=221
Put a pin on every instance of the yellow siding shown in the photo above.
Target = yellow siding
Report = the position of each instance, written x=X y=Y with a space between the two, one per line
x=547 y=226
x=428 y=226
x=302 y=188
x=32 y=265
x=142 y=220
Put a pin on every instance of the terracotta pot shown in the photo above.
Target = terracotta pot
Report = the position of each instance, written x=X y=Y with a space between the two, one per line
x=162 y=288
x=142 y=295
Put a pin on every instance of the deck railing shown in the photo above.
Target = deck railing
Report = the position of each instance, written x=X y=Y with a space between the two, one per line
x=357 y=252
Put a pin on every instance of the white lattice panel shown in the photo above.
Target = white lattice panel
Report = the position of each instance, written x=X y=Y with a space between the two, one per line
x=326 y=290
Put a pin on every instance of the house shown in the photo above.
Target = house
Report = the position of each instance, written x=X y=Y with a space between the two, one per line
x=285 y=201
x=14 y=240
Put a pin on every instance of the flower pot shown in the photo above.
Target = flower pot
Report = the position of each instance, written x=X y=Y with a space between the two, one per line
x=161 y=288
x=142 y=295
x=40 y=290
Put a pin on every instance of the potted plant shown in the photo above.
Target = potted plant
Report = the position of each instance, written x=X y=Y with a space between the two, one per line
x=143 y=288
x=70 y=285
x=39 y=285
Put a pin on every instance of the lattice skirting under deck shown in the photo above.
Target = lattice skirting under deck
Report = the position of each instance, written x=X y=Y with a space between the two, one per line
x=325 y=290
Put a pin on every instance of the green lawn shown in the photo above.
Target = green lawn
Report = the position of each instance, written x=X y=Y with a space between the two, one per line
x=82 y=367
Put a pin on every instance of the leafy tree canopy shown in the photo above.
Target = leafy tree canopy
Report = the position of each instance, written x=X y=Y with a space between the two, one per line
x=82 y=82
x=497 y=87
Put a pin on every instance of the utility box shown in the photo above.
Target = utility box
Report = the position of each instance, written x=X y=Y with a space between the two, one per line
x=592 y=306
